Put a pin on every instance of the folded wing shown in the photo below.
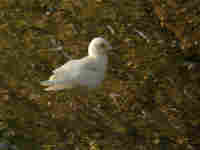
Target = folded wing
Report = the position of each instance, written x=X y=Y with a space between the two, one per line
x=75 y=73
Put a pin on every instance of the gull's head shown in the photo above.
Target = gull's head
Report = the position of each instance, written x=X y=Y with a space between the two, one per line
x=98 y=46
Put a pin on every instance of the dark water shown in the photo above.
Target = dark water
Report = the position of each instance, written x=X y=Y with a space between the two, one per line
x=150 y=97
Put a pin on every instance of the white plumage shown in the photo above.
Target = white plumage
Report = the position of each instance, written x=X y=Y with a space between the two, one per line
x=87 y=72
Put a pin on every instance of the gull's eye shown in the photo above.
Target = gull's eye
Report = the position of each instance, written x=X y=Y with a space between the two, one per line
x=102 y=45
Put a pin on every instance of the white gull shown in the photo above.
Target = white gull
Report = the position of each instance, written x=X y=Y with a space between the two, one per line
x=87 y=72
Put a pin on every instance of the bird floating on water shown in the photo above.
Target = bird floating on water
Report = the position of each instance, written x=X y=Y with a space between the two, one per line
x=87 y=72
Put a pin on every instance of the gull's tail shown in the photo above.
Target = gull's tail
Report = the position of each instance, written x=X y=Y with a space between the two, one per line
x=46 y=83
x=54 y=85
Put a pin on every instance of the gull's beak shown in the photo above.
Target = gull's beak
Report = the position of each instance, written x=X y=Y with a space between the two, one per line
x=110 y=47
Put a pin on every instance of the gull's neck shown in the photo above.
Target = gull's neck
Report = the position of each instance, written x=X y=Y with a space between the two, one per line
x=97 y=56
x=93 y=53
x=101 y=60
